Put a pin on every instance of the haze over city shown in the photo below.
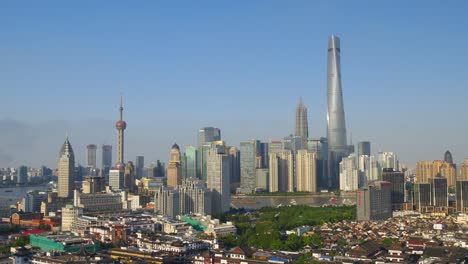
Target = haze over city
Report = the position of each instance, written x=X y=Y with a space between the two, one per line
x=186 y=65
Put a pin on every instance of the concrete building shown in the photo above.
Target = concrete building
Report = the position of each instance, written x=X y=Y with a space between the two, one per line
x=364 y=148
x=234 y=153
x=349 y=173
x=462 y=196
x=22 y=175
x=66 y=168
x=32 y=201
x=129 y=177
x=439 y=191
x=368 y=170
x=194 y=197
x=99 y=202
x=320 y=147
x=106 y=156
x=262 y=179
x=167 y=201
x=248 y=154
x=218 y=178
x=174 y=171
x=306 y=171
x=422 y=197
x=374 y=202
x=426 y=170
x=281 y=166
x=388 y=160
x=463 y=171
x=116 y=179
x=302 y=127
x=206 y=135
x=94 y=184
x=91 y=156
x=397 y=179
x=69 y=215
x=139 y=166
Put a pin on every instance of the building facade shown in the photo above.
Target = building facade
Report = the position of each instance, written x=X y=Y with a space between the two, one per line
x=218 y=178
x=306 y=171
x=374 y=202
x=66 y=169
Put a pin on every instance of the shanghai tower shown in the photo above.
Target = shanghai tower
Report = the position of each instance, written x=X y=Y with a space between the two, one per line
x=336 y=125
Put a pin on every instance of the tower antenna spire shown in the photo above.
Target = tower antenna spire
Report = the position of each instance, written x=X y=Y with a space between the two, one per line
x=121 y=106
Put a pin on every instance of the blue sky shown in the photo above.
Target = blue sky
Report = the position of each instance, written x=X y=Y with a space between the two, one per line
x=237 y=65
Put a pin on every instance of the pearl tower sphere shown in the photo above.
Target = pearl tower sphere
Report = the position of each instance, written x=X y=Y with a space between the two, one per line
x=121 y=126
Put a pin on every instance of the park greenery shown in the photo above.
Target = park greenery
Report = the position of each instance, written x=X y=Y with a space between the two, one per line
x=266 y=228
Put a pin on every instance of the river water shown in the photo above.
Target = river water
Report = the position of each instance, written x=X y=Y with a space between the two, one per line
x=13 y=194
x=257 y=202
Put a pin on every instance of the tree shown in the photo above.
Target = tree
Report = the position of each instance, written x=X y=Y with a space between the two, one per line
x=294 y=242
x=314 y=240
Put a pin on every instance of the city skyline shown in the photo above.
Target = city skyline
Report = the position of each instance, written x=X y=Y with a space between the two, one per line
x=399 y=92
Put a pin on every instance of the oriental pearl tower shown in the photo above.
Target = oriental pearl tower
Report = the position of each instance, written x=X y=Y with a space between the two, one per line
x=120 y=125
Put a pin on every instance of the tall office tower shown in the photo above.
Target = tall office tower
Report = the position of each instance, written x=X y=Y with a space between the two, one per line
x=248 y=154
x=121 y=126
x=116 y=179
x=183 y=165
x=439 y=191
x=306 y=171
x=106 y=161
x=422 y=197
x=336 y=124
x=106 y=156
x=174 y=172
x=167 y=201
x=281 y=171
x=275 y=146
x=262 y=179
x=369 y=170
x=448 y=170
x=66 y=169
x=424 y=171
x=448 y=157
x=464 y=170
x=302 y=127
x=218 y=178
x=397 y=179
x=139 y=166
x=208 y=135
x=349 y=173
x=91 y=156
x=129 y=177
x=364 y=148
x=191 y=157
x=263 y=154
x=235 y=167
x=292 y=142
x=388 y=160
x=374 y=202
x=320 y=147
x=22 y=175
x=462 y=196
x=194 y=197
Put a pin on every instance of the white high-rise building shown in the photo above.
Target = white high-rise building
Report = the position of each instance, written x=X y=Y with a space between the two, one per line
x=218 y=166
x=388 y=160
x=306 y=171
x=69 y=215
x=369 y=170
x=281 y=172
x=349 y=173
